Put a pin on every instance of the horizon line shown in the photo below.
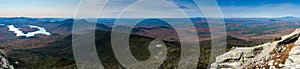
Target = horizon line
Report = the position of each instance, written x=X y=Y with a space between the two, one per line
x=135 y=17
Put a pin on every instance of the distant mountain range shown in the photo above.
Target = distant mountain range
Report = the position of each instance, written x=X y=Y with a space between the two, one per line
x=245 y=28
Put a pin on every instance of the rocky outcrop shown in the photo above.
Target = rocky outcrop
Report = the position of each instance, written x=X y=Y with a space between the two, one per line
x=283 y=53
x=4 y=63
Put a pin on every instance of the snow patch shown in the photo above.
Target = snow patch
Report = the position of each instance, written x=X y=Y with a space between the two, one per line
x=29 y=34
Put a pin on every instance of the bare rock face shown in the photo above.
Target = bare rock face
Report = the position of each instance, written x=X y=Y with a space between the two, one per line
x=284 y=53
x=293 y=60
x=4 y=63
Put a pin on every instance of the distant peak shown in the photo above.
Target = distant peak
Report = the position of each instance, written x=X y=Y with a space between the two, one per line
x=288 y=17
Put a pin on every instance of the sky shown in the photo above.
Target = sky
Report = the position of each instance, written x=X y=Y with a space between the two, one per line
x=147 y=8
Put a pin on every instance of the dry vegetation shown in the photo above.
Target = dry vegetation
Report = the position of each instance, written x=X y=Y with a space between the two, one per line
x=277 y=60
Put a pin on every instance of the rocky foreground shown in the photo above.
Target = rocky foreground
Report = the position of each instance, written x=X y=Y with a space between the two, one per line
x=4 y=63
x=281 y=53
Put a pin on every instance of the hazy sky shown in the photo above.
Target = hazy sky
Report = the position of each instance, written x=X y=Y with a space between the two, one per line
x=67 y=8
x=38 y=8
